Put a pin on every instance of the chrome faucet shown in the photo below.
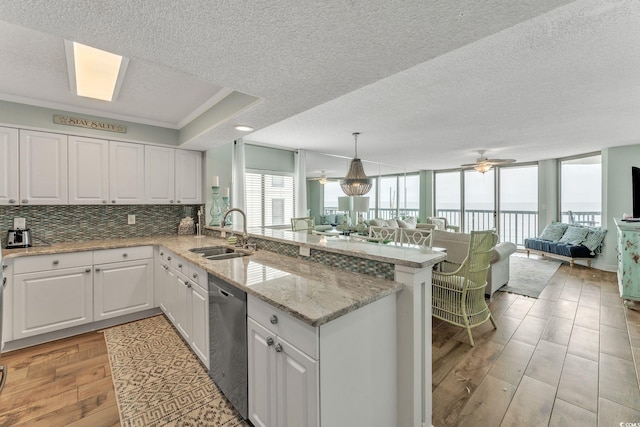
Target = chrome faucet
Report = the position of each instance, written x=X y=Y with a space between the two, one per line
x=244 y=224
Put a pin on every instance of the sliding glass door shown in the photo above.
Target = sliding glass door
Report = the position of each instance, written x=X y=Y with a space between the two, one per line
x=518 y=203
x=448 y=200
x=479 y=200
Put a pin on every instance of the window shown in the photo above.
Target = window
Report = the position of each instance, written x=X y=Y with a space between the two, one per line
x=270 y=199
x=518 y=203
x=409 y=197
x=332 y=191
x=581 y=190
x=447 y=197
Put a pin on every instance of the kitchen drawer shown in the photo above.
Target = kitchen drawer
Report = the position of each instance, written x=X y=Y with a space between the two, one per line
x=179 y=264
x=30 y=264
x=295 y=331
x=108 y=256
x=164 y=254
x=199 y=276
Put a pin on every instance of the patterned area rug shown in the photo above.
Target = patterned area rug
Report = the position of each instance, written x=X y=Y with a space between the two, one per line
x=528 y=276
x=160 y=382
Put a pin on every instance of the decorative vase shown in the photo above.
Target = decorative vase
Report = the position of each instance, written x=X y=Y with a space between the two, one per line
x=225 y=208
x=216 y=212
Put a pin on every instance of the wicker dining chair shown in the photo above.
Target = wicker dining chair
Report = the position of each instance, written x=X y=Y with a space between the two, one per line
x=458 y=295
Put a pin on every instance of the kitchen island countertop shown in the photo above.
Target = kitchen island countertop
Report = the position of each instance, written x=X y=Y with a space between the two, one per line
x=311 y=292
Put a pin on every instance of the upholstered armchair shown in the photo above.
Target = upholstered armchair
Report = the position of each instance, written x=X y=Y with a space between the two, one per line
x=302 y=223
x=441 y=223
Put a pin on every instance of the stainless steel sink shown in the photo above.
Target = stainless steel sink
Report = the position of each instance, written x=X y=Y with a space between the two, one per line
x=226 y=256
x=213 y=250
x=219 y=252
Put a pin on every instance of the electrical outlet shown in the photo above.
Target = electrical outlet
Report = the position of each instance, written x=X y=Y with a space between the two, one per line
x=131 y=219
x=305 y=251
x=19 y=223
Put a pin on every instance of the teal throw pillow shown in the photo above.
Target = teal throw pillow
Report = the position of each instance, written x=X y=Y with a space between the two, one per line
x=574 y=235
x=594 y=239
x=554 y=231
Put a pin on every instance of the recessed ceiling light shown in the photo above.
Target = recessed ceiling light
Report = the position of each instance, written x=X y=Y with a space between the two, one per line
x=94 y=73
x=243 y=128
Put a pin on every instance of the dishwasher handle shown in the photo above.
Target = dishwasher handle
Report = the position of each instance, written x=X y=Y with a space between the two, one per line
x=225 y=294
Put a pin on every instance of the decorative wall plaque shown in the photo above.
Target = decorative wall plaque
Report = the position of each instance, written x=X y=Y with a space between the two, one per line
x=88 y=123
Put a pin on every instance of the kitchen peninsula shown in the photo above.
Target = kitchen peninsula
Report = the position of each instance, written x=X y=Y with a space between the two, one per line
x=365 y=327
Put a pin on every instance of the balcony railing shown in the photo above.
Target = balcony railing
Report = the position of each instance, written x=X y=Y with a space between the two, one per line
x=515 y=225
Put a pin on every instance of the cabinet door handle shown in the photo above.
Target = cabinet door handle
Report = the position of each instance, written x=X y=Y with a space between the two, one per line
x=87 y=270
x=170 y=201
x=177 y=201
x=195 y=275
x=12 y=200
x=161 y=253
x=56 y=262
x=25 y=201
x=104 y=202
x=97 y=269
x=113 y=201
x=169 y=258
x=180 y=265
x=124 y=255
x=278 y=348
x=188 y=284
x=269 y=341
x=274 y=319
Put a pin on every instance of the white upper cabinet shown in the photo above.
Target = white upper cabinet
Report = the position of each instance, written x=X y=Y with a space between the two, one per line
x=126 y=173
x=88 y=171
x=43 y=168
x=188 y=177
x=159 y=175
x=8 y=166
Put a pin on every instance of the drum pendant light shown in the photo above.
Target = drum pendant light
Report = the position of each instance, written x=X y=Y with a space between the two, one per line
x=356 y=182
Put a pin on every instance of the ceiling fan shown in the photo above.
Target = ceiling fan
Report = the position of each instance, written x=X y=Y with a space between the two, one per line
x=322 y=179
x=483 y=164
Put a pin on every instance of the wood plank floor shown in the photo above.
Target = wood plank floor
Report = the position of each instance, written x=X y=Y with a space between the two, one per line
x=569 y=358
x=62 y=383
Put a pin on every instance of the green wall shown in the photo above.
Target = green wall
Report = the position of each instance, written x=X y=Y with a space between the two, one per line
x=616 y=196
x=31 y=117
x=315 y=198
x=218 y=161
x=426 y=195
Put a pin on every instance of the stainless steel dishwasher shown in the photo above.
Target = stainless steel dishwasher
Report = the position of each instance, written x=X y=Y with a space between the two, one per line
x=228 y=342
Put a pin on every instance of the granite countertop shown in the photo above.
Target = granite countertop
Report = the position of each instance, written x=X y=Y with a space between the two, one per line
x=311 y=292
x=406 y=255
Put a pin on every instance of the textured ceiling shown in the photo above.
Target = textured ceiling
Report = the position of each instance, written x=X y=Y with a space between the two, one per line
x=427 y=83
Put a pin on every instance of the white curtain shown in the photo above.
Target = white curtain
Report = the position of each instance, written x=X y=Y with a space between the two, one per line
x=237 y=180
x=301 y=183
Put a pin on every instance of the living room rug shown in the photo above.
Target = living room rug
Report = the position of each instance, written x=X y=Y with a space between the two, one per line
x=160 y=382
x=529 y=276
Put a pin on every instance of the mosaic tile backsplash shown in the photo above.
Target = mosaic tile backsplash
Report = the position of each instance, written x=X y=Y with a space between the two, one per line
x=55 y=224
x=357 y=265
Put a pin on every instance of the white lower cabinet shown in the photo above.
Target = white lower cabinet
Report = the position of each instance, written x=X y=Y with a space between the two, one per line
x=122 y=288
x=55 y=292
x=340 y=373
x=283 y=380
x=199 y=339
x=50 y=300
x=184 y=299
x=181 y=309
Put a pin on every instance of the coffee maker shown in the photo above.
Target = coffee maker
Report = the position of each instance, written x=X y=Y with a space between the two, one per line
x=18 y=238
